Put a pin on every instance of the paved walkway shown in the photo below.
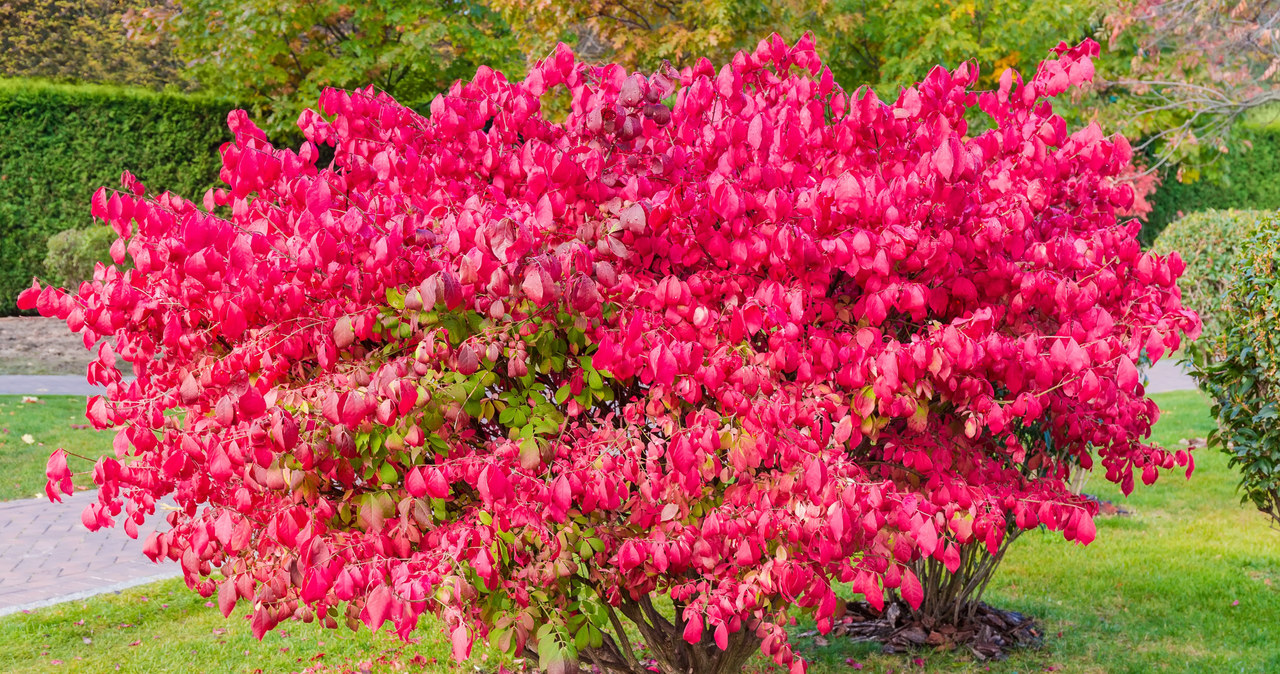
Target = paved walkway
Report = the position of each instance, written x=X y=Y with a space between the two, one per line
x=47 y=385
x=47 y=556
x=1166 y=375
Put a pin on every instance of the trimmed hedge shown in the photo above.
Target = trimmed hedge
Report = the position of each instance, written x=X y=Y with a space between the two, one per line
x=1240 y=369
x=1250 y=181
x=60 y=143
x=1210 y=243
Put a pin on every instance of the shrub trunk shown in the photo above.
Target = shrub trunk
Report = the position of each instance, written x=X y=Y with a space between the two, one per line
x=667 y=649
x=951 y=598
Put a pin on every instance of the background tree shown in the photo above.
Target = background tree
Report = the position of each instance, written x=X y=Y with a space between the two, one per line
x=641 y=34
x=276 y=56
x=877 y=42
x=1181 y=74
x=82 y=41
x=888 y=43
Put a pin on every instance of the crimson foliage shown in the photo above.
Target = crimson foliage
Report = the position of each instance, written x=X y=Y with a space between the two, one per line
x=727 y=336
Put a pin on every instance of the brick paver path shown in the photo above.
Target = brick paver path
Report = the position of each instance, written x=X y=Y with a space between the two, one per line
x=48 y=556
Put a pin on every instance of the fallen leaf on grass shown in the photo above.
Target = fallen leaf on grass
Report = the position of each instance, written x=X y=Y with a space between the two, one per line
x=28 y=439
x=136 y=643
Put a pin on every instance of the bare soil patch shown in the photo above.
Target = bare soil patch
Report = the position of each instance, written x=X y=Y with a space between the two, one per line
x=36 y=345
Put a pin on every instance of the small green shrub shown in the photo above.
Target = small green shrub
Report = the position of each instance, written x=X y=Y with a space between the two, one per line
x=1241 y=368
x=74 y=252
x=60 y=143
x=1209 y=242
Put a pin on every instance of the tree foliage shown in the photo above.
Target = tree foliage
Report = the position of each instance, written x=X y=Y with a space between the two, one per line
x=277 y=56
x=81 y=41
x=1185 y=72
x=891 y=43
x=878 y=42
x=726 y=337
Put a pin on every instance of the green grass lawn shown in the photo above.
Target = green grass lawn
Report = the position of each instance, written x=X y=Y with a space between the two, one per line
x=49 y=423
x=1185 y=584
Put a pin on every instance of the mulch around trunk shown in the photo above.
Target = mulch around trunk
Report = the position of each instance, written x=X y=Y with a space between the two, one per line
x=1108 y=508
x=990 y=634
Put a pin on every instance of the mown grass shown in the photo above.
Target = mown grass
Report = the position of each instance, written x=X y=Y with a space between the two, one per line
x=49 y=422
x=166 y=628
x=1188 y=583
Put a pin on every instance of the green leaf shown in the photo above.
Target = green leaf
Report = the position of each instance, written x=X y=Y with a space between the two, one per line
x=582 y=638
x=395 y=298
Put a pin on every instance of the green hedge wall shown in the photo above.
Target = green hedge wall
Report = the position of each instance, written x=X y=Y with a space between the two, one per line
x=60 y=143
x=1250 y=182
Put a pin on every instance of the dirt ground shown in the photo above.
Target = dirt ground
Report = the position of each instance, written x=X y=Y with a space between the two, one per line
x=34 y=345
